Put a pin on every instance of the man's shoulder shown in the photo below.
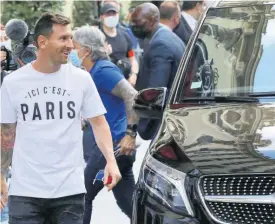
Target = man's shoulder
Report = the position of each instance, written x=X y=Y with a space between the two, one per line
x=105 y=64
x=167 y=39
x=123 y=32
x=18 y=74
x=75 y=71
x=104 y=67
x=167 y=35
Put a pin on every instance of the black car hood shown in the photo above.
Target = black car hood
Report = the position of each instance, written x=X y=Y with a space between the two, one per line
x=228 y=138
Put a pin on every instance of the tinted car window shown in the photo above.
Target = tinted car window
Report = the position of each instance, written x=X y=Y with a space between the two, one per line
x=234 y=54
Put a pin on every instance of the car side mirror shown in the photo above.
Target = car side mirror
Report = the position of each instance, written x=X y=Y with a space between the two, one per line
x=150 y=103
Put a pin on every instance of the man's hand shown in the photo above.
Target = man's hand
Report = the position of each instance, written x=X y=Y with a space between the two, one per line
x=127 y=145
x=4 y=192
x=111 y=170
x=3 y=55
x=104 y=141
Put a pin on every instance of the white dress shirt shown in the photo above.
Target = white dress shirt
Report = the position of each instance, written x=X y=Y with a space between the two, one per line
x=190 y=20
x=165 y=26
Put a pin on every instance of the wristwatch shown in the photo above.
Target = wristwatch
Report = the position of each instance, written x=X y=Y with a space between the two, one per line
x=132 y=130
x=131 y=133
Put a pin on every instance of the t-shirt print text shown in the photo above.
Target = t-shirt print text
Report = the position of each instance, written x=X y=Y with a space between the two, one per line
x=48 y=110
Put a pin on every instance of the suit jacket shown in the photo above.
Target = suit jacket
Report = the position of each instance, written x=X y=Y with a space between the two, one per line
x=160 y=60
x=158 y=69
x=183 y=31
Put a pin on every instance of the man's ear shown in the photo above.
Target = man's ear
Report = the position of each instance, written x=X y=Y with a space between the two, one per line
x=198 y=6
x=88 y=52
x=42 y=42
x=152 y=21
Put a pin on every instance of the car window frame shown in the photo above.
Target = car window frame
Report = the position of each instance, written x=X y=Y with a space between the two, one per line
x=180 y=79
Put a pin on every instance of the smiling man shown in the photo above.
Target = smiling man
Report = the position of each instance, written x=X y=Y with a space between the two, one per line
x=41 y=109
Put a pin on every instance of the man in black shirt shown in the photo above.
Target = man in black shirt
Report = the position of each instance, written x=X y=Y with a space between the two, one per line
x=118 y=38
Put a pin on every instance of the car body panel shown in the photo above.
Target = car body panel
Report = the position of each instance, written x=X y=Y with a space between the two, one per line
x=226 y=138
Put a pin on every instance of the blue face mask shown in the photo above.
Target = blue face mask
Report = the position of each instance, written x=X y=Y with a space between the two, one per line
x=74 y=59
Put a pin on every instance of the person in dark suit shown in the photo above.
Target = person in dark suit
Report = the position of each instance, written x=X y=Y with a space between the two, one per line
x=160 y=60
x=191 y=12
x=170 y=14
x=163 y=55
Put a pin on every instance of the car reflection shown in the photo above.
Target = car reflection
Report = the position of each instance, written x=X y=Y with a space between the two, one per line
x=233 y=137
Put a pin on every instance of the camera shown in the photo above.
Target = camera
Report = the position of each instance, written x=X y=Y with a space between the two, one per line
x=23 y=47
x=25 y=50
x=8 y=64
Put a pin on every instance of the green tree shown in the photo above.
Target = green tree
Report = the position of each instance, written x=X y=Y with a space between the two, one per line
x=29 y=11
x=84 y=12
x=135 y=3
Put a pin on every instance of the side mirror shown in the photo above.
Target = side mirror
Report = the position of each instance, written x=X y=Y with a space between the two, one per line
x=150 y=103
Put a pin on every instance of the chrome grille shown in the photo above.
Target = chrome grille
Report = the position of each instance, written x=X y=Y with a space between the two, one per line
x=239 y=185
x=243 y=213
x=248 y=199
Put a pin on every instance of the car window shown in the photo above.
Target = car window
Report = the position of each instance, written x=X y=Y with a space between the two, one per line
x=234 y=54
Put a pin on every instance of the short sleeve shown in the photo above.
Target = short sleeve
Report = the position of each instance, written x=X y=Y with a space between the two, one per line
x=8 y=112
x=107 y=78
x=92 y=105
x=130 y=48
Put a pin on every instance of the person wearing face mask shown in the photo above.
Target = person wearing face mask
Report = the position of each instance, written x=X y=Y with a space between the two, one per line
x=117 y=96
x=123 y=26
x=4 y=40
x=170 y=14
x=191 y=12
x=118 y=38
x=161 y=58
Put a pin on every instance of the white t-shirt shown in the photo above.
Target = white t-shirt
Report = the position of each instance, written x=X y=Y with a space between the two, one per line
x=48 y=153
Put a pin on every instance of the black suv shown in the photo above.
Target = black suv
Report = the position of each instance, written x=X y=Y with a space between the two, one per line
x=212 y=159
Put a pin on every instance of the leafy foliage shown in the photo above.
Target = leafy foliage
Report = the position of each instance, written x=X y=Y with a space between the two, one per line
x=84 y=12
x=29 y=11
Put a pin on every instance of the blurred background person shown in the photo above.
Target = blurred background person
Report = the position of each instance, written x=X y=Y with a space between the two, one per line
x=191 y=12
x=161 y=59
x=4 y=40
x=119 y=39
x=170 y=14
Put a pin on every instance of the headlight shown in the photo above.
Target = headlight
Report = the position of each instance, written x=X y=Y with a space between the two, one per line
x=166 y=185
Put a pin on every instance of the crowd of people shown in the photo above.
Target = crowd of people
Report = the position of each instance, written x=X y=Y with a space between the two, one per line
x=74 y=103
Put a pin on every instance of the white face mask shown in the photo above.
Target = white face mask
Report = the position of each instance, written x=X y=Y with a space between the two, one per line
x=111 y=21
x=4 y=41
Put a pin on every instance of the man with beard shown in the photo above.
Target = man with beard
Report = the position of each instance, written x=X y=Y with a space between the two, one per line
x=41 y=109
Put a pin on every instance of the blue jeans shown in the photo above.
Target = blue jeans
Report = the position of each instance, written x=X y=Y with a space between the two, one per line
x=123 y=191
x=65 y=210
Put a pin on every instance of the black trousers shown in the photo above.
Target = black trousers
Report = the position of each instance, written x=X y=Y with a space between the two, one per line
x=124 y=190
x=65 y=210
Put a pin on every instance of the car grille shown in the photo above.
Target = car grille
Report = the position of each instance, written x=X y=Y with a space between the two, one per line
x=236 y=199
